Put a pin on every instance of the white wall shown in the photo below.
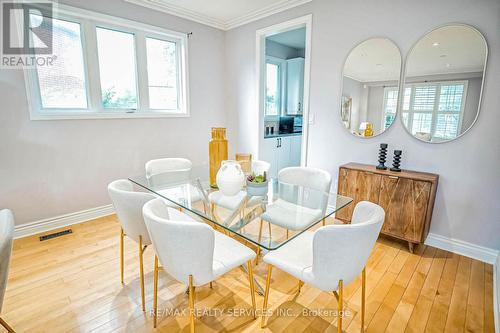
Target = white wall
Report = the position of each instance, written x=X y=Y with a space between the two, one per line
x=467 y=206
x=49 y=168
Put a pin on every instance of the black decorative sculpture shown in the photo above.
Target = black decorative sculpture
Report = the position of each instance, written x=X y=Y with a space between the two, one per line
x=397 y=161
x=382 y=156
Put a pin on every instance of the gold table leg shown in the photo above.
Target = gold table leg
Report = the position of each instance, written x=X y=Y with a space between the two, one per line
x=266 y=296
x=252 y=287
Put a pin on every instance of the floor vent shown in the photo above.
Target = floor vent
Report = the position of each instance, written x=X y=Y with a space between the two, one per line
x=55 y=234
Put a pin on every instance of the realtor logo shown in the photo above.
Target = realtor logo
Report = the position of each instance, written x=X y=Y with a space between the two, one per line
x=26 y=33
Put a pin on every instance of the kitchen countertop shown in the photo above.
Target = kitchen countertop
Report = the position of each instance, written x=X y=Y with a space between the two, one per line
x=281 y=135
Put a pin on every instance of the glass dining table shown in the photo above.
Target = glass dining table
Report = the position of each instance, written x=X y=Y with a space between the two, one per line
x=267 y=221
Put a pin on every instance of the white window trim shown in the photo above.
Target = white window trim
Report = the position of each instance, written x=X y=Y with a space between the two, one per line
x=434 y=112
x=386 y=92
x=88 y=21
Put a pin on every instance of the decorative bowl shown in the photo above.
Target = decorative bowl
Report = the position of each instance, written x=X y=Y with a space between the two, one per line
x=257 y=189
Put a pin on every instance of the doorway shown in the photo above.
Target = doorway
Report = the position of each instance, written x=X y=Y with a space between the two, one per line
x=283 y=67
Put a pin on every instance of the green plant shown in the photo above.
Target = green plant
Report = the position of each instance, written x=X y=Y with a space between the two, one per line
x=257 y=178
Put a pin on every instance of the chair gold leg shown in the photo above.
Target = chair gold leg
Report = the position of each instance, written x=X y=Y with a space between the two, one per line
x=211 y=286
x=122 y=236
x=6 y=326
x=252 y=287
x=324 y=222
x=141 y=270
x=191 y=304
x=363 y=298
x=266 y=296
x=301 y=283
x=269 y=224
x=286 y=233
x=155 y=292
x=340 y=307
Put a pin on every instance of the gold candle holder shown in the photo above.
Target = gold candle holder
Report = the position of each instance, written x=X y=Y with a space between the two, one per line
x=217 y=149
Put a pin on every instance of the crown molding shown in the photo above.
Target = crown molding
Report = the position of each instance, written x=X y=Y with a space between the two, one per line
x=195 y=16
x=264 y=12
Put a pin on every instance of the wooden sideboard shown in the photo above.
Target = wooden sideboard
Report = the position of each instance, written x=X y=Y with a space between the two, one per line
x=407 y=198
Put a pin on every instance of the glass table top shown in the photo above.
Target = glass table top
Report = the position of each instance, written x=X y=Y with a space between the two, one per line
x=268 y=220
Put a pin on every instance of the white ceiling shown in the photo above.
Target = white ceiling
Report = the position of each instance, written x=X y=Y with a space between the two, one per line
x=447 y=50
x=221 y=14
x=376 y=59
x=293 y=38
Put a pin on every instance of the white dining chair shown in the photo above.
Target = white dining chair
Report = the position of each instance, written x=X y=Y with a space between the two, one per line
x=128 y=207
x=164 y=171
x=297 y=216
x=192 y=253
x=169 y=164
x=330 y=257
x=259 y=167
x=6 y=236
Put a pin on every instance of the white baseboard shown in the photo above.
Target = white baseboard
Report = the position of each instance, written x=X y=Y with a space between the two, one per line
x=470 y=250
x=60 y=221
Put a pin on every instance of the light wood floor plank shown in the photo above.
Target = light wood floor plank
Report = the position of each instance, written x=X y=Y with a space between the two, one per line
x=72 y=284
x=455 y=321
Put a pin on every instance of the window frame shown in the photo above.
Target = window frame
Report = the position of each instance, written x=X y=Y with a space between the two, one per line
x=435 y=112
x=89 y=21
x=386 y=94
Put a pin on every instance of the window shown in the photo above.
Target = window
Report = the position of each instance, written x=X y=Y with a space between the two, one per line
x=273 y=95
x=116 y=56
x=162 y=74
x=390 y=106
x=63 y=86
x=434 y=110
x=108 y=67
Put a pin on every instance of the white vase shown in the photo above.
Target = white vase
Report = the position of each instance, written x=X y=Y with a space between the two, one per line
x=230 y=178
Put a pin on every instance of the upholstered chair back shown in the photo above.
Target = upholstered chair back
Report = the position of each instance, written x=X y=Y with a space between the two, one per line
x=128 y=207
x=259 y=167
x=340 y=252
x=311 y=178
x=165 y=165
x=183 y=248
x=6 y=236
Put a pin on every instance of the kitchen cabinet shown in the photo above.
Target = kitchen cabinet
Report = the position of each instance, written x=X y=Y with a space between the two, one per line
x=281 y=152
x=294 y=86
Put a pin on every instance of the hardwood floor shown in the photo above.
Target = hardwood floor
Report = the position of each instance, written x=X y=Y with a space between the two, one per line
x=72 y=284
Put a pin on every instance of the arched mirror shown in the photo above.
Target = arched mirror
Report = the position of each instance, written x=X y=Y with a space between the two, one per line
x=443 y=83
x=370 y=85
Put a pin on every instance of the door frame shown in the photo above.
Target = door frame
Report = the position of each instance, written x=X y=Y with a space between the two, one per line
x=260 y=46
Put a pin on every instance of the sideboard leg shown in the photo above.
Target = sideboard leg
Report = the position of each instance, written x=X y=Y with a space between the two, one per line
x=410 y=246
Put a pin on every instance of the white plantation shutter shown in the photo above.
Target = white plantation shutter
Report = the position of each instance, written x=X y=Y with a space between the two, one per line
x=434 y=108
x=424 y=99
